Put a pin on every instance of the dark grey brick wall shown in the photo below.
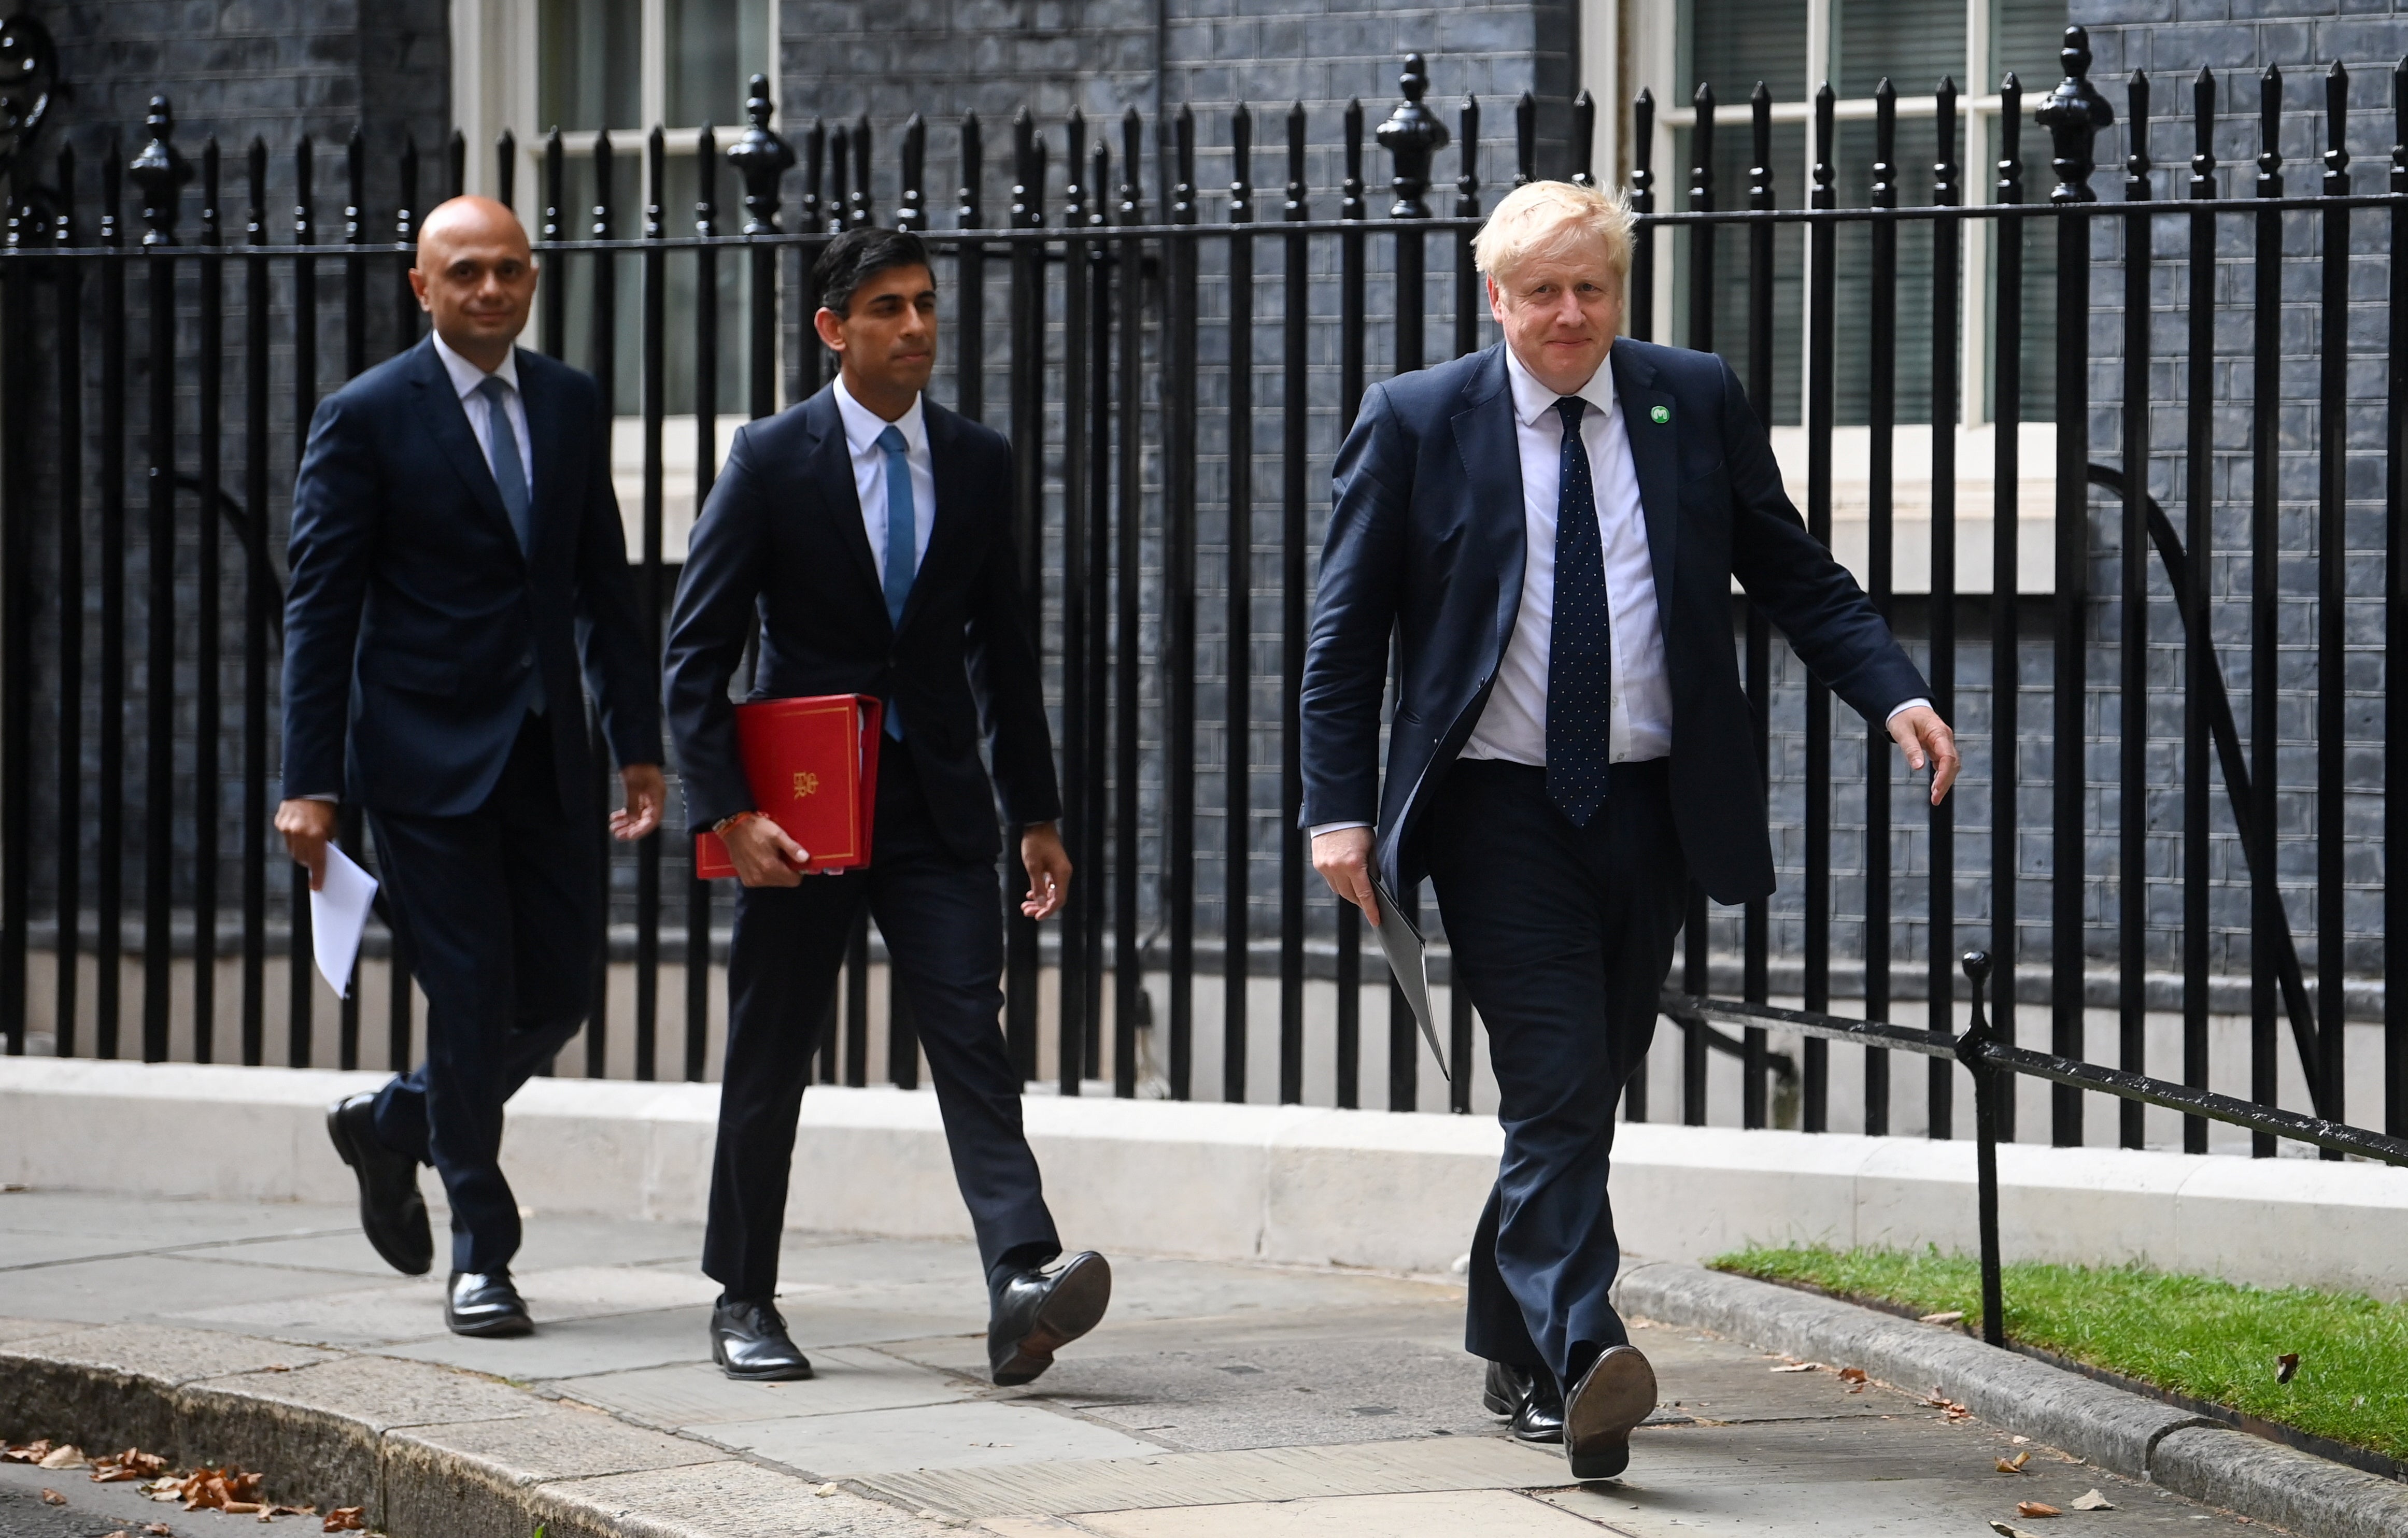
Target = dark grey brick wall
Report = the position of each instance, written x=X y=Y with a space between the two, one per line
x=272 y=68
x=942 y=58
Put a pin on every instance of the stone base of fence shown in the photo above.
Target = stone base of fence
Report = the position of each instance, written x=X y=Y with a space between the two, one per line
x=1279 y=1183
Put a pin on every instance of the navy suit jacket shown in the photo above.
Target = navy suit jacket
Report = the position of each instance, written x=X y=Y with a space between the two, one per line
x=1426 y=543
x=413 y=619
x=780 y=550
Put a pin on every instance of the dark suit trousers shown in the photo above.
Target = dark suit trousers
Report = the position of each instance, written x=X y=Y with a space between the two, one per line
x=500 y=912
x=942 y=920
x=1564 y=936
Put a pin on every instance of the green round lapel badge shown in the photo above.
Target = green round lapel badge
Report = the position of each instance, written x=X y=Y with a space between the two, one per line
x=1660 y=414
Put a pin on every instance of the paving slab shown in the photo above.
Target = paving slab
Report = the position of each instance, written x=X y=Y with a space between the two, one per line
x=976 y=1435
x=1216 y=1399
x=1459 y=1513
x=693 y=1395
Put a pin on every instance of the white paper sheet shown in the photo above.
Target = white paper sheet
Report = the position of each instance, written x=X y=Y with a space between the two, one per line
x=339 y=913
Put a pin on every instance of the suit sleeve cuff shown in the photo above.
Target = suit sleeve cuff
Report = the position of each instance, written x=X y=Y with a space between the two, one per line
x=1320 y=827
x=1904 y=707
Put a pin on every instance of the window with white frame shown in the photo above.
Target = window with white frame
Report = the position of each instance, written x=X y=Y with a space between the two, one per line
x=591 y=67
x=1794 y=46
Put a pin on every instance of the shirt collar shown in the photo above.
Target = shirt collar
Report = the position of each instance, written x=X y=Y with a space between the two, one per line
x=466 y=377
x=1533 y=400
x=862 y=425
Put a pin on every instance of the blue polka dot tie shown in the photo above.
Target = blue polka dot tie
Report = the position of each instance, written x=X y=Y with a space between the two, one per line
x=1579 y=650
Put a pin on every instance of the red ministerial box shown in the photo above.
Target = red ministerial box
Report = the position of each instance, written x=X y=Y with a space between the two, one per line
x=813 y=765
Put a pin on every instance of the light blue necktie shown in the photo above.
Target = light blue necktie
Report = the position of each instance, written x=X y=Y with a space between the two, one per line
x=510 y=479
x=902 y=544
x=510 y=475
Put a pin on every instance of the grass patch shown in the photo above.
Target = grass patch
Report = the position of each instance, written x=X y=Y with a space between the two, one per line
x=2209 y=1339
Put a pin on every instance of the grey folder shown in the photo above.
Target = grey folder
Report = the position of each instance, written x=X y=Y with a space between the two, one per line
x=1401 y=941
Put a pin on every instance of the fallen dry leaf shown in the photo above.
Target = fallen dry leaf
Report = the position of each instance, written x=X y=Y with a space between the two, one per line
x=53 y=1497
x=346 y=1519
x=2007 y=1529
x=125 y=1467
x=2093 y=1501
x=1852 y=1374
x=2036 y=1508
x=1954 y=1315
x=160 y=1529
x=68 y=1457
x=2287 y=1367
x=2015 y=1464
x=829 y=1488
x=1798 y=1367
x=31 y=1452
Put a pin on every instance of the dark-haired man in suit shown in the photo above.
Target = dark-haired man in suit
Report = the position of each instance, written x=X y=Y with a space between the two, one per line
x=1549 y=530
x=457 y=563
x=866 y=536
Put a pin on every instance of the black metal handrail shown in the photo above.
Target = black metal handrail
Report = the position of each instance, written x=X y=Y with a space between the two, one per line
x=1987 y=1059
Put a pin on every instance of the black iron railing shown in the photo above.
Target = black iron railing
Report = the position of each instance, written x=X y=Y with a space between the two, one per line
x=1138 y=342
x=1994 y=1064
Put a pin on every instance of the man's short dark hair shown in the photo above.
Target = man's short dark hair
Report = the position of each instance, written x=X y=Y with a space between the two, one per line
x=856 y=256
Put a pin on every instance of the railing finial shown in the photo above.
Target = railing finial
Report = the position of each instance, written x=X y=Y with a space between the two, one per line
x=1412 y=135
x=2074 y=115
x=1642 y=152
x=1583 y=139
x=160 y=171
x=2336 y=130
x=1526 y=140
x=1132 y=206
x=760 y=158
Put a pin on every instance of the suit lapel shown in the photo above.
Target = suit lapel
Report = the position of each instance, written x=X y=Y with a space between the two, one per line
x=831 y=471
x=1492 y=463
x=1647 y=418
x=446 y=421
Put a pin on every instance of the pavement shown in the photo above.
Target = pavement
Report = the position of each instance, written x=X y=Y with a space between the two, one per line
x=1216 y=1399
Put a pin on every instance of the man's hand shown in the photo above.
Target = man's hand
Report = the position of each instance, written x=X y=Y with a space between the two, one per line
x=1925 y=738
x=308 y=827
x=1048 y=869
x=647 y=792
x=1343 y=858
x=764 y=854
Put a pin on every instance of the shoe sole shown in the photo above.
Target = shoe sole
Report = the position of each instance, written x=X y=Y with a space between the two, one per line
x=759 y=1374
x=1614 y=1396
x=494 y=1330
x=1075 y=1307
x=408 y=1265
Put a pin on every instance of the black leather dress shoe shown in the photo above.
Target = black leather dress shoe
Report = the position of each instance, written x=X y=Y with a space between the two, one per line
x=1539 y=1416
x=1505 y=1388
x=485 y=1304
x=1613 y=1397
x=748 y=1341
x=1528 y=1399
x=1037 y=1313
x=392 y=1212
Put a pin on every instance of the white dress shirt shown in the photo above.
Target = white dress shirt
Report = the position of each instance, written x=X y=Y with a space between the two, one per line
x=1514 y=727
x=465 y=379
x=862 y=427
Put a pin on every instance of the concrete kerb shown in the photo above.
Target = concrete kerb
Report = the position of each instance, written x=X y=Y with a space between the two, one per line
x=429 y=1451
x=2191 y=1455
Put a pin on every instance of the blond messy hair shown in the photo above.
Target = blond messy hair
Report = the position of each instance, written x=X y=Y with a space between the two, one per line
x=1548 y=218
